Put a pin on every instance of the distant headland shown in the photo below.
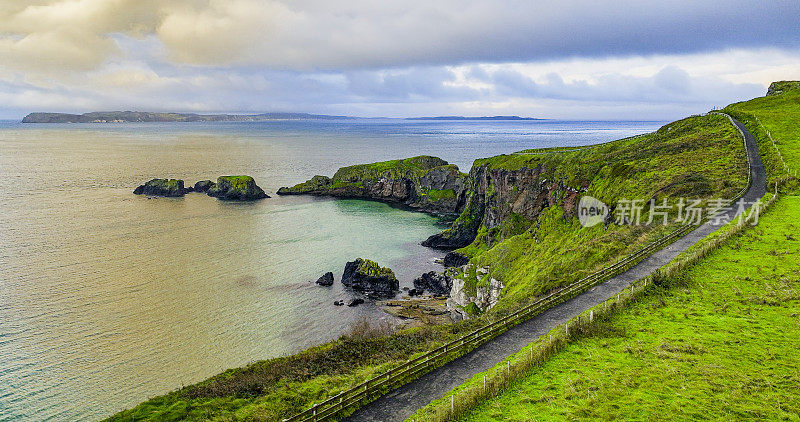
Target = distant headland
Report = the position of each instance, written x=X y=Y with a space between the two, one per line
x=474 y=118
x=146 y=116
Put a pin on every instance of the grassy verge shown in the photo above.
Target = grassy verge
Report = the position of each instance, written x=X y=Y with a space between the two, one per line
x=775 y=121
x=491 y=395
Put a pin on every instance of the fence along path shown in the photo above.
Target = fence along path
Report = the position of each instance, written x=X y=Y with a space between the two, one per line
x=429 y=376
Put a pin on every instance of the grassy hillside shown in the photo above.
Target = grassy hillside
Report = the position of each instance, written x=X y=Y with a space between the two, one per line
x=719 y=342
x=715 y=342
x=775 y=121
x=699 y=156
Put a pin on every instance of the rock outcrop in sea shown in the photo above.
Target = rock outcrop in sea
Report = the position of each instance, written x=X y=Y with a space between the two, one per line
x=367 y=276
x=162 y=187
x=326 y=279
x=433 y=283
x=203 y=186
x=236 y=188
x=424 y=183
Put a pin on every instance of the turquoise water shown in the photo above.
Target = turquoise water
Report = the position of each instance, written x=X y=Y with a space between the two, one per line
x=107 y=298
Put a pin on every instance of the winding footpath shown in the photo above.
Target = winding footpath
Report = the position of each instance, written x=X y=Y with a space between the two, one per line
x=402 y=402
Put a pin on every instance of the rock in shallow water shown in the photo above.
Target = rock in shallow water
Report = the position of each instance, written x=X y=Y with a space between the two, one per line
x=236 y=188
x=326 y=279
x=435 y=284
x=162 y=187
x=203 y=186
x=355 y=302
x=367 y=276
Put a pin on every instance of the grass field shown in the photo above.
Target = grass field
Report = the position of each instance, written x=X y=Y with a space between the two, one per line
x=718 y=342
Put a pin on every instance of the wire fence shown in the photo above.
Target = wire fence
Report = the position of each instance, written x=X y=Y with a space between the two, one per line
x=775 y=145
x=420 y=365
x=495 y=380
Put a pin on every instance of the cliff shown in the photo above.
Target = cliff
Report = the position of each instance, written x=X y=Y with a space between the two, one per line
x=519 y=224
x=777 y=88
x=423 y=183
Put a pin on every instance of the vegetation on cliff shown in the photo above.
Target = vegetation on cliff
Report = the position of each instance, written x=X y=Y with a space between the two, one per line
x=519 y=220
x=425 y=183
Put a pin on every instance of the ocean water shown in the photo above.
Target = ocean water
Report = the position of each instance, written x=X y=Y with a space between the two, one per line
x=108 y=298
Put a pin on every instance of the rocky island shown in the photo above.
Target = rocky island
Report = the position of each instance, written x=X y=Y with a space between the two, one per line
x=231 y=188
x=424 y=183
x=162 y=187
x=236 y=188
x=367 y=276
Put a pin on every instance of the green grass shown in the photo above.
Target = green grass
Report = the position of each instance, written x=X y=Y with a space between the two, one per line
x=697 y=157
x=717 y=342
x=412 y=168
x=778 y=116
x=435 y=195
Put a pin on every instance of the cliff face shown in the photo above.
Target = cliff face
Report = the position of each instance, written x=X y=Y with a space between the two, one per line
x=424 y=183
x=777 y=88
x=502 y=202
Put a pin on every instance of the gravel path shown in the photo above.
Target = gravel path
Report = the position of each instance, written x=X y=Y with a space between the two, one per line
x=400 y=403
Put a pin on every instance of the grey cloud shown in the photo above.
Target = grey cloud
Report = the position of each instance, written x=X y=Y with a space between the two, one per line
x=315 y=34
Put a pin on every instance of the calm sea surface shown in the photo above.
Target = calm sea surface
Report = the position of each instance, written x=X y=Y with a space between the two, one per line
x=108 y=298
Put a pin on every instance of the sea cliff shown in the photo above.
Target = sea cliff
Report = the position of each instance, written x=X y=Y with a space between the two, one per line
x=423 y=183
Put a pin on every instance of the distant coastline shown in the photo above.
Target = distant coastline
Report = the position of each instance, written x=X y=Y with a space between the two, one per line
x=474 y=118
x=145 y=116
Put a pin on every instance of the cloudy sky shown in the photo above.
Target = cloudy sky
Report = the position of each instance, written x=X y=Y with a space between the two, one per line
x=561 y=59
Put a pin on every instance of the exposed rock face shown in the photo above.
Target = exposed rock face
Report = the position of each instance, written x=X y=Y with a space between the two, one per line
x=503 y=201
x=435 y=284
x=236 y=188
x=455 y=259
x=485 y=296
x=777 y=88
x=367 y=276
x=326 y=279
x=162 y=187
x=424 y=183
x=203 y=186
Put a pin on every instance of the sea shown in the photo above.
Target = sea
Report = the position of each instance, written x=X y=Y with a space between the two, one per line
x=109 y=298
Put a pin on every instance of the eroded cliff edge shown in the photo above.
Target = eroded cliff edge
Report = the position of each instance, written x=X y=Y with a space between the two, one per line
x=424 y=183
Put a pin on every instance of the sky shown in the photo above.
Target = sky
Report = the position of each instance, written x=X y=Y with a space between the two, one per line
x=568 y=59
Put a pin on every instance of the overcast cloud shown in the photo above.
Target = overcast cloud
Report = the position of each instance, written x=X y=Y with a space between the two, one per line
x=566 y=59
